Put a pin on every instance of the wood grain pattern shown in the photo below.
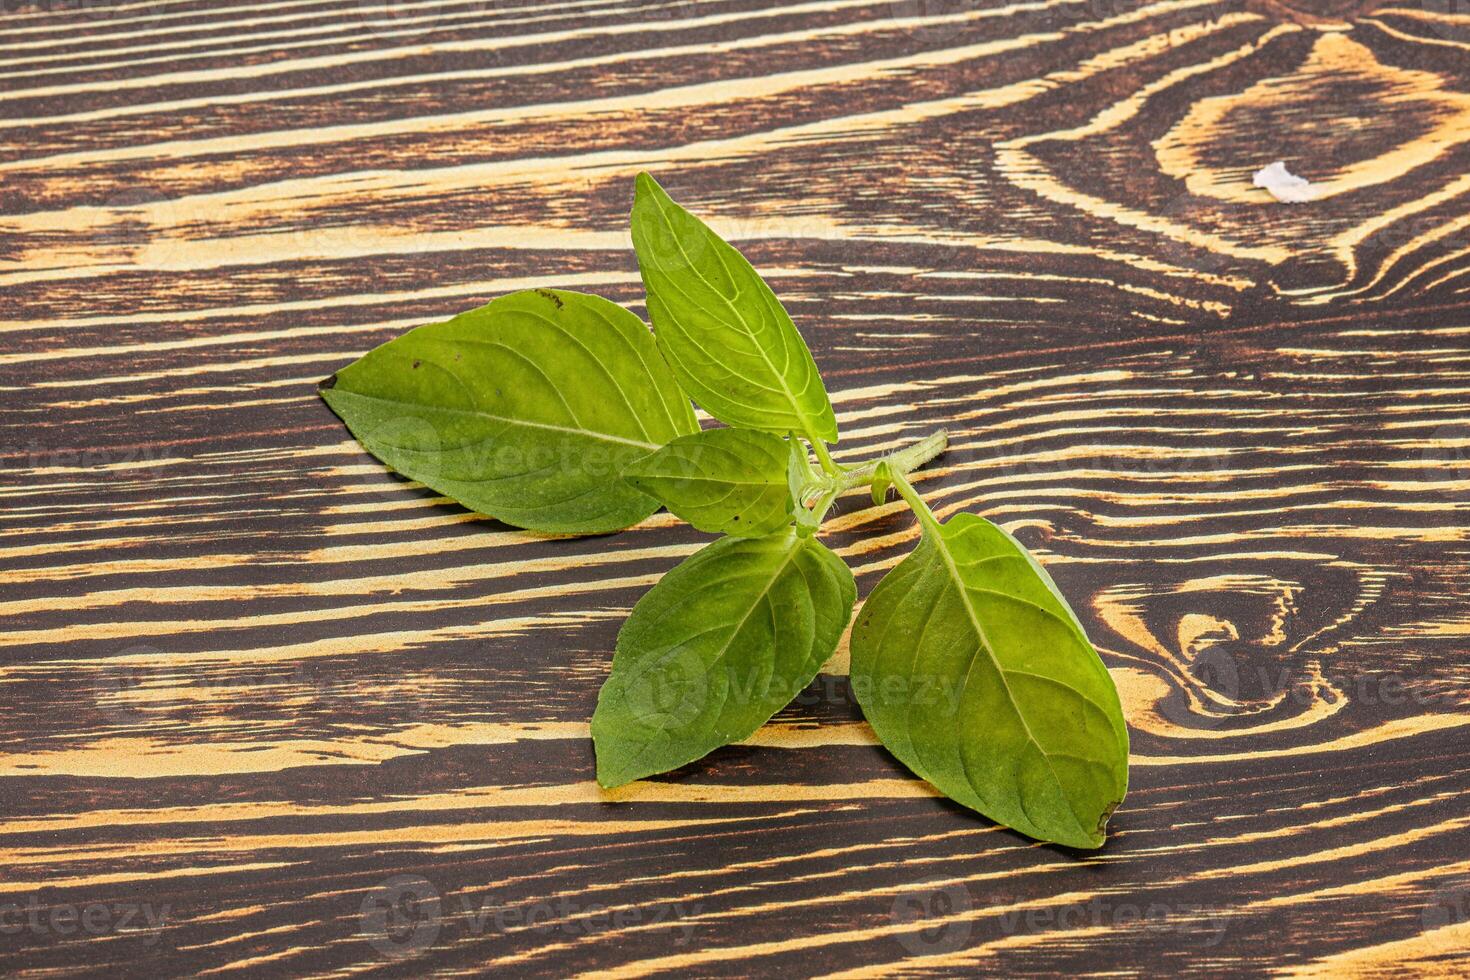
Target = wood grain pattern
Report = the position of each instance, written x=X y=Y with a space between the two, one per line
x=273 y=711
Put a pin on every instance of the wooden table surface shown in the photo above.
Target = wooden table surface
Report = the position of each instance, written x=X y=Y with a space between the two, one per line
x=271 y=710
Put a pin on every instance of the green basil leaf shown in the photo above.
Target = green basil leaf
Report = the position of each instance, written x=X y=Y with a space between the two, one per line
x=720 y=644
x=975 y=673
x=526 y=409
x=734 y=481
x=730 y=342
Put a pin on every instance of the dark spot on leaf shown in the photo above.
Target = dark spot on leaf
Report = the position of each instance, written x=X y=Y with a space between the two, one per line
x=416 y=364
x=328 y=383
x=551 y=296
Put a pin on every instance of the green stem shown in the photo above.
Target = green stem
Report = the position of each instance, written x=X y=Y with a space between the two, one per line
x=905 y=460
x=916 y=503
x=829 y=466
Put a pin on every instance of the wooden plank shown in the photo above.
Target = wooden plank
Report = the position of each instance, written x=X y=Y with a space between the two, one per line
x=260 y=690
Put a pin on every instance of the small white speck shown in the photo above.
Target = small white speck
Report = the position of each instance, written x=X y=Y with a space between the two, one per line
x=1284 y=185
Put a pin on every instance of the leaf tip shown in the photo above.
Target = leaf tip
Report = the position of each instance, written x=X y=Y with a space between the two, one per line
x=610 y=777
x=649 y=191
x=645 y=184
x=612 y=770
x=1091 y=840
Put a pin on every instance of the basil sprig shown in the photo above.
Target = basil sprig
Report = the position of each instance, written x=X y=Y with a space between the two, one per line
x=560 y=412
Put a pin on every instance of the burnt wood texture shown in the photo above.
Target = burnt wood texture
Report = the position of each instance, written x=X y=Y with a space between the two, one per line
x=272 y=710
